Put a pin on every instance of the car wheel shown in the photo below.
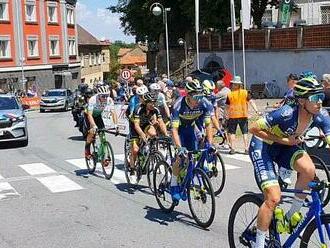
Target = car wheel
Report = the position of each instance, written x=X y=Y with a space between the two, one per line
x=42 y=111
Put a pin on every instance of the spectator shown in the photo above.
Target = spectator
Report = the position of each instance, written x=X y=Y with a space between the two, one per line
x=292 y=79
x=221 y=96
x=237 y=109
x=139 y=82
x=326 y=83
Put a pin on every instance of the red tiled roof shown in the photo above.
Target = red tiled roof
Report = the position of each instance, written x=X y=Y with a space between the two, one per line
x=123 y=51
x=86 y=38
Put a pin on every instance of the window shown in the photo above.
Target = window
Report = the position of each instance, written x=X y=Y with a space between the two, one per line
x=75 y=75
x=82 y=60
x=52 y=13
x=30 y=11
x=72 y=46
x=4 y=11
x=4 y=47
x=54 y=46
x=32 y=43
x=69 y=16
x=325 y=14
x=103 y=57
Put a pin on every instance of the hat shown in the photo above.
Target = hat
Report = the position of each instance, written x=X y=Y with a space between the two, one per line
x=326 y=77
x=236 y=80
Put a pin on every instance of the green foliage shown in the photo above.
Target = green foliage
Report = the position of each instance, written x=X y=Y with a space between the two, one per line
x=137 y=19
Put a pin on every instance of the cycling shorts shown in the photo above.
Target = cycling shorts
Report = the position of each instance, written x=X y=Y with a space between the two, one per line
x=134 y=136
x=264 y=156
x=188 y=138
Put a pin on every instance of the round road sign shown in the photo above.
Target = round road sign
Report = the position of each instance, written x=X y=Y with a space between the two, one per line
x=126 y=74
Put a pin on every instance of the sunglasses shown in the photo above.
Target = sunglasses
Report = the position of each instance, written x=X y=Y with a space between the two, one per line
x=197 y=96
x=317 y=98
x=103 y=95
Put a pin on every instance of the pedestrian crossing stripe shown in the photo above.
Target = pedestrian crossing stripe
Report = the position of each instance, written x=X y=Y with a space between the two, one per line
x=240 y=157
x=57 y=184
x=7 y=191
x=37 y=169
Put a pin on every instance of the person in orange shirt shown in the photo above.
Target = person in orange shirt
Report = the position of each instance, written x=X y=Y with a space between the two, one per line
x=237 y=110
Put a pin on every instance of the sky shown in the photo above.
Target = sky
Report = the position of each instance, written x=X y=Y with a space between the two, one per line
x=96 y=19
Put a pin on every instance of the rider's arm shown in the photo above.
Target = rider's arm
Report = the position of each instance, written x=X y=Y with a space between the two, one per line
x=176 y=137
x=167 y=110
x=137 y=126
x=89 y=111
x=91 y=120
x=162 y=126
x=176 y=123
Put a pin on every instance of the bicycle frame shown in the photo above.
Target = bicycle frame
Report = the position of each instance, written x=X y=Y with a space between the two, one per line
x=100 y=150
x=315 y=211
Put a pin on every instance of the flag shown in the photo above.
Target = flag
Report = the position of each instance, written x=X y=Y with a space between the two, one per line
x=246 y=13
x=233 y=17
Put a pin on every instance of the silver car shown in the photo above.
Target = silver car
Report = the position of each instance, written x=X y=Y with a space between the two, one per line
x=56 y=99
x=13 y=123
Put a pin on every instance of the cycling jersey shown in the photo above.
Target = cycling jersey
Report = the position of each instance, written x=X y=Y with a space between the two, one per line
x=133 y=103
x=161 y=100
x=282 y=122
x=96 y=106
x=184 y=118
x=142 y=115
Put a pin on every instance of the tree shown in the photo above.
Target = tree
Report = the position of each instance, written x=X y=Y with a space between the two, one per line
x=258 y=8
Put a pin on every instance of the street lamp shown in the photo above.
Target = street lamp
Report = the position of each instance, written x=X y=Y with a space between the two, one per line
x=23 y=80
x=182 y=42
x=157 y=9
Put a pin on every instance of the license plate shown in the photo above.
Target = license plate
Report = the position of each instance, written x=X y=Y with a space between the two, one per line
x=1 y=132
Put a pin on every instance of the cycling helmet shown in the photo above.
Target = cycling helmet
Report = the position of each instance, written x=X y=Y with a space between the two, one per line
x=193 y=86
x=150 y=97
x=306 y=87
x=103 y=89
x=170 y=83
x=307 y=74
x=89 y=92
x=208 y=86
x=142 y=90
x=154 y=87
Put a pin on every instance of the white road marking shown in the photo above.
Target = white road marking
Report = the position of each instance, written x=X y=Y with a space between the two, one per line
x=7 y=191
x=231 y=167
x=241 y=157
x=79 y=162
x=58 y=184
x=37 y=169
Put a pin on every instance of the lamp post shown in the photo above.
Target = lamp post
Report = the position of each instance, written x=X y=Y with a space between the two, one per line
x=182 y=42
x=157 y=9
x=23 y=80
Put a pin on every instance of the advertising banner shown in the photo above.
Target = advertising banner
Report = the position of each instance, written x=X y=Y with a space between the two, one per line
x=32 y=102
x=284 y=13
x=123 y=123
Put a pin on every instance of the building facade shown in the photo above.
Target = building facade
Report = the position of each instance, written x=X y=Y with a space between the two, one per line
x=38 y=45
x=314 y=12
x=94 y=57
x=134 y=59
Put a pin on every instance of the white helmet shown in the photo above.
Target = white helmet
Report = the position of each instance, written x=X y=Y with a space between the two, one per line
x=104 y=89
x=142 y=90
x=154 y=87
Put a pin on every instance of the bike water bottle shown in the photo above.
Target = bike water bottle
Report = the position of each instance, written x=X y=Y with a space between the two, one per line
x=280 y=220
x=295 y=219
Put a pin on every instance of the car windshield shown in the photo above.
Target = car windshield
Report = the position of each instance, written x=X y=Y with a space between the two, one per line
x=55 y=93
x=7 y=103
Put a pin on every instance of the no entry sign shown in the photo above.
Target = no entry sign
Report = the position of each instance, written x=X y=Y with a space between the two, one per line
x=126 y=74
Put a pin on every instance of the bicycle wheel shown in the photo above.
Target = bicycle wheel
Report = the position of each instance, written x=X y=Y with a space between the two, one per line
x=161 y=180
x=127 y=162
x=311 y=237
x=201 y=195
x=153 y=159
x=322 y=173
x=92 y=161
x=108 y=161
x=218 y=174
x=243 y=221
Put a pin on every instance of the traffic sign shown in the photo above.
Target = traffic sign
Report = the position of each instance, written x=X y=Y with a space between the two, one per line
x=126 y=74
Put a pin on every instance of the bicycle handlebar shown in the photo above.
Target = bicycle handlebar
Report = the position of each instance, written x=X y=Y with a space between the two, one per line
x=318 y=186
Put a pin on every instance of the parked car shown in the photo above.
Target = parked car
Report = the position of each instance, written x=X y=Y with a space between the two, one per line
x=13 y=122
x=57 y=99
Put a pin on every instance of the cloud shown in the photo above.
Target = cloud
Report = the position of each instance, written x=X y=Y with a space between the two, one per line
x=101 y=23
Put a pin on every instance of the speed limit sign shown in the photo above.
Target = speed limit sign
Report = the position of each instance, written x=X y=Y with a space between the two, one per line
x=126 y=74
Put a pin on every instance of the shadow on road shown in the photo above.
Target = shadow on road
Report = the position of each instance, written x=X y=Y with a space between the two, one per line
x=77 y=138
x=131 y=189
x=162 y=218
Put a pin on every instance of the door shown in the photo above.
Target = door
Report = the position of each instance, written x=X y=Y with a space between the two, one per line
x=58 y=81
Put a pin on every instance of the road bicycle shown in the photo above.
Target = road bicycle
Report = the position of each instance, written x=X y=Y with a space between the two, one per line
x=194 y=185
x=147 y=157
x=313 y=230
x=101 y=152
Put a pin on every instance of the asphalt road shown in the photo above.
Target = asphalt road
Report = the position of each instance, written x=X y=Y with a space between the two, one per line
x=47 y=199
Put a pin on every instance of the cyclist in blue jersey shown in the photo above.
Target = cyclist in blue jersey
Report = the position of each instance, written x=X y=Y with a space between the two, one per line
x=186 y=111
x=135 y=100
x=276 y=139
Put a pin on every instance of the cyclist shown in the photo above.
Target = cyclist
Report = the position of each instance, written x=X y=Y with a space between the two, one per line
x=146 y=116
x=186 y=111
x=134 y=101
x=276 y=138
x=95 y=108
x=161 y=100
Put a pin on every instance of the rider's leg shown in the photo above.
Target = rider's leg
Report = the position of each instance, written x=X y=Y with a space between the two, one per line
x=306 y=169
x=89 y=140
x=151 y=131
x=134 y=152
x=272 y=196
